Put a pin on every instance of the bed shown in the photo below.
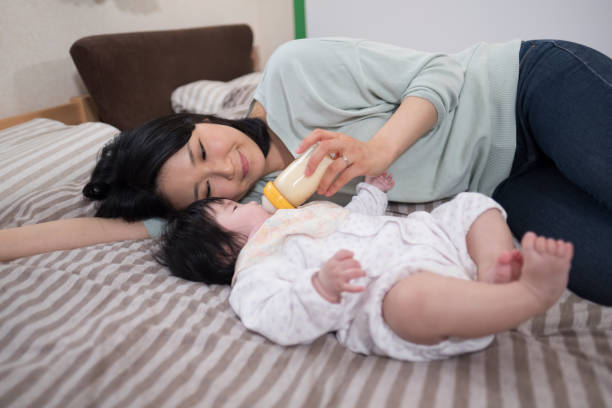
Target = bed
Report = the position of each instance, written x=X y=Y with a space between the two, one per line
x=107 y=326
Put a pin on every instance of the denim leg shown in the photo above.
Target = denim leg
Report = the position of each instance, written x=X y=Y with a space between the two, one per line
x=564 y=108
x=542 y=200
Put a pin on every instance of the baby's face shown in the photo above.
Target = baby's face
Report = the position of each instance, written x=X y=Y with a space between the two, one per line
x=241 y=218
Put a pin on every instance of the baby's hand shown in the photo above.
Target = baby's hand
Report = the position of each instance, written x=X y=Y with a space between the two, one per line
x=384 y=182
x=335 y=276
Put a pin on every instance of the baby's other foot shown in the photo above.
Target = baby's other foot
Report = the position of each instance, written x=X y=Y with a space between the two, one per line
x=506 y=269
x=546 y=267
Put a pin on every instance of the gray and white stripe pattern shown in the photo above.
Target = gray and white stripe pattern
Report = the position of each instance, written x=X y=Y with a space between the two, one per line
x=229 y=99
x=106 y=326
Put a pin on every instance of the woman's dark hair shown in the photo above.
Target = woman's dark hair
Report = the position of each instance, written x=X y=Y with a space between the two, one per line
x=195 y=247
x=124 y=179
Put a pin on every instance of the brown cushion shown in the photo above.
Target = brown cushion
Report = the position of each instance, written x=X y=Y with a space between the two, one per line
x=131 y=76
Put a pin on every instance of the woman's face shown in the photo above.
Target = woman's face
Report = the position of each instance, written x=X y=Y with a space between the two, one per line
x=217 y=161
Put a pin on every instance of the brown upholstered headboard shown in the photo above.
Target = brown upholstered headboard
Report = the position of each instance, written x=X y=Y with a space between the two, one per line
x=130 y=76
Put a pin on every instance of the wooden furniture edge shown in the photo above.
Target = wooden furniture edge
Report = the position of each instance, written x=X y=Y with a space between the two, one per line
x=80 y=109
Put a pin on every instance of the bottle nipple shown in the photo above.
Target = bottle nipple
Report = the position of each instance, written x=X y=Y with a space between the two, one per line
x=273 y=199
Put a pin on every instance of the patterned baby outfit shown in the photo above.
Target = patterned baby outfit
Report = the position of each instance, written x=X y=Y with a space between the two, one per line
x=273 y=292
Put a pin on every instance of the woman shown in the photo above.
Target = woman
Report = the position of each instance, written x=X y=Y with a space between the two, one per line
x=528 y=123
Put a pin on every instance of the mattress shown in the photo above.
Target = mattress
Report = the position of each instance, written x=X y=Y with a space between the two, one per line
x=107 y=326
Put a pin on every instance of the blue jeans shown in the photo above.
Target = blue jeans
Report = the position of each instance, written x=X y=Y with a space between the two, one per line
x=560 y=184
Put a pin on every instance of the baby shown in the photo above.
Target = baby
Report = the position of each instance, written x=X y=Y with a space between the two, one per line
x=427 y=286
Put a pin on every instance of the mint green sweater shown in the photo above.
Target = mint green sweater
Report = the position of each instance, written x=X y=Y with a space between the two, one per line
x=354 y=86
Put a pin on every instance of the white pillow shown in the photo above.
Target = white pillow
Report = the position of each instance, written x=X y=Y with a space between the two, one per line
x=42 y=153
x=227 y=99
x=44 y=165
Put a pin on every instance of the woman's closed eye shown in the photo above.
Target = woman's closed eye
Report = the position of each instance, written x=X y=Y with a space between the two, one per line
x=203 y=152
x=201 y=191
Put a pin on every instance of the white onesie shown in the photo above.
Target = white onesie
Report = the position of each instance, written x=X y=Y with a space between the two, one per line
x=273 y=293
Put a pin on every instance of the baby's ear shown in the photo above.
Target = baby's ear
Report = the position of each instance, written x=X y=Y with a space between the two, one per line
x=232 y=249
x=242 y=240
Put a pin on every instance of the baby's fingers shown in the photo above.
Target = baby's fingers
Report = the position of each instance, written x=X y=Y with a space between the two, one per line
x=342 y=255
x=354 y=272
x=348 y=276
x=353 y=288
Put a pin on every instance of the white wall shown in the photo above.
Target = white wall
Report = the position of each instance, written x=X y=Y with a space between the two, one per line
x=451 y=25
x=35 y=35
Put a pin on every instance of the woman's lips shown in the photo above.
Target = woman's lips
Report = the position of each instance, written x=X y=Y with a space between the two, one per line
x=245 y=165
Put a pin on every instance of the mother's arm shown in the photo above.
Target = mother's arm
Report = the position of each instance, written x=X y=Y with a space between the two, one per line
x=413 y=118
x=424 y=86
x=66 y=234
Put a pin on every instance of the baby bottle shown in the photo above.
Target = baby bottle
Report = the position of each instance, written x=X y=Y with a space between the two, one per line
x=291 y=187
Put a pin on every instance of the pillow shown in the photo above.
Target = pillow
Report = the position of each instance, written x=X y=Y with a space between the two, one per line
x=44 y=161
x=130 y=76
x=230 y=99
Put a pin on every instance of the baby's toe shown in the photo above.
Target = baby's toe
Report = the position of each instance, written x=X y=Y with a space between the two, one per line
x=503 y=275
x=528 y=241
x=541 y=244
x=568 y=251
x=504 y=258
x=560 y=251
x=517 y=256
x=551 y=246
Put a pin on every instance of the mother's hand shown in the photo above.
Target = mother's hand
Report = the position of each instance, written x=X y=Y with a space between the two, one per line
x=353 y=158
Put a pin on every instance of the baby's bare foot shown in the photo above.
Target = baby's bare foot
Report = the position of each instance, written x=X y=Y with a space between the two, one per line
x=506 y=269
x=546 y=267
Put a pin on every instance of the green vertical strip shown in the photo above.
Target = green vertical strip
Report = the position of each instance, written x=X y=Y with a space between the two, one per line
x=299 y=13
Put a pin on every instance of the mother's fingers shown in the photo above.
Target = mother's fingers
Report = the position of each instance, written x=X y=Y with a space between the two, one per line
x=327 y=146
x=315 y=136
x=353 y=158
x=347 y=175
x=332 y=172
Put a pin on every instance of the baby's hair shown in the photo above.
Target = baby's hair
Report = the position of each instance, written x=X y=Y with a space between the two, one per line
x=195 y=247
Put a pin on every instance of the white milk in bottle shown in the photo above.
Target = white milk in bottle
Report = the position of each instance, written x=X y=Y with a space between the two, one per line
x=292 y=188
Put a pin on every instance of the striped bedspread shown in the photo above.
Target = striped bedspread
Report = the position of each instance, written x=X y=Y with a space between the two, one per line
x=106 y=326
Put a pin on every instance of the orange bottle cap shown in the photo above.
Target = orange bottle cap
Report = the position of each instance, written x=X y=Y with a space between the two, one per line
x=276 y=198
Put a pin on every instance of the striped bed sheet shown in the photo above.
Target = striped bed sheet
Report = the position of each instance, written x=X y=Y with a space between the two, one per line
x=107 y=326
